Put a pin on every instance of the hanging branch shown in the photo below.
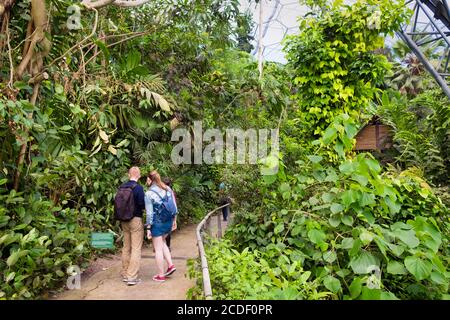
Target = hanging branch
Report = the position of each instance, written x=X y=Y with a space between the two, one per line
x=5 y=7
x=120 y=3
x=11 y=71
x=94 y=30
x=139 y=34
x=39 y=17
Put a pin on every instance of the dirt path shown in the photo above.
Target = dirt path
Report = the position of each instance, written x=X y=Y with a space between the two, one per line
x=104 y=282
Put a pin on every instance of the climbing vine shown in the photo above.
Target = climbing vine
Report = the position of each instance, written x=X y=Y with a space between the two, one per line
x=336 y=68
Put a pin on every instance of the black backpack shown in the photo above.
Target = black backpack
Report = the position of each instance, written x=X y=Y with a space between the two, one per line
x=124 y=203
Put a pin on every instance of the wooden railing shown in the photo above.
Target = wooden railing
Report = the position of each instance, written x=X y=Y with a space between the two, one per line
x=206 y=222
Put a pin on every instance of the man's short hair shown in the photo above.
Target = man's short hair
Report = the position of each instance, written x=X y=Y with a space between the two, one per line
x=134 y=171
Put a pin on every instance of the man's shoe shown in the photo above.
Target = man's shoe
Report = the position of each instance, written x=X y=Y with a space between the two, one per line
x=170 y=270
x=159 y=278
x=124 y=279
x=133 y=282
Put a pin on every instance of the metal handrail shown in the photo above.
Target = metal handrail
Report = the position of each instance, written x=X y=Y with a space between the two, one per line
x=207 y=290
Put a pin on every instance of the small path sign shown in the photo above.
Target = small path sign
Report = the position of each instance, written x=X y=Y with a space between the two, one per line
x=102 y=240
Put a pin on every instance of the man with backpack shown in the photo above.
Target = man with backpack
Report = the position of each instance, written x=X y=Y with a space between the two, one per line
x=128 y=209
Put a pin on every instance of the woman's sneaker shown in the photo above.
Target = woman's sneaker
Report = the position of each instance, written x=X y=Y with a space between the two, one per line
x=170 y=270
x=159 y=278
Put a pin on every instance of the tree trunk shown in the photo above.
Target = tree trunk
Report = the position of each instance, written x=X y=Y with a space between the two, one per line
x=33 y=62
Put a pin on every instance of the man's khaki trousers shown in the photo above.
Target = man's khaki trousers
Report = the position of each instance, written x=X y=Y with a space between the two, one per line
x=133 y=236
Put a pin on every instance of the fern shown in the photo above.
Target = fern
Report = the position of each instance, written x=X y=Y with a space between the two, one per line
x=421 y=131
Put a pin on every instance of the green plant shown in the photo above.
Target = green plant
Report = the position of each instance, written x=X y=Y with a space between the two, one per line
x=255 y=275
x=346 y=220
x=38 y=242
x=101 y=99
x=420 y=131
x=335 y=67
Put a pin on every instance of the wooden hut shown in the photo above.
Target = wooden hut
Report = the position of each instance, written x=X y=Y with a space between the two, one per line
x=374 y=136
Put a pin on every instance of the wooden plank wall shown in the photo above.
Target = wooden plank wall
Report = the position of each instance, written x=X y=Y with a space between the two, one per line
x=366 y=139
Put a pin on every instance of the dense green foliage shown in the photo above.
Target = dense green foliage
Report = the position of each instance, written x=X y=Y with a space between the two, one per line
x=358 y=228
x=422 y=131
x=112 y=94
x=256 y=275
x=43 y=240
x=335 y=68
x=83 y=105
x=340 y=222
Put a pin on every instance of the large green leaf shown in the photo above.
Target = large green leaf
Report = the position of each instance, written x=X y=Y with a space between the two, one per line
x=329 y=135
x=329 y=256
x=394 y=206
x=439 y=278
x=331 y=283
x=279 y=228
x=369 y=216
x=133 y=60
x=336 y=207
x=331 y=175
x=350 y=129
x=327 y=198
x=408 y=237
x=355 y=288
x=395 y=267
x=347 y=243
x=397 y=250
x=334 y=220
x=15 y=256
x=347 y=220
x=433 y=244
x=366 y=237
x=367 y=199
x=9 y=238
x=4 y=221
x=364 y=262
x=361 y=179
x=421 y=269
x=388 y=296
x=370 y=294
x=347 y=167
x=316 y=236
x=373 y=165
x=348 y=197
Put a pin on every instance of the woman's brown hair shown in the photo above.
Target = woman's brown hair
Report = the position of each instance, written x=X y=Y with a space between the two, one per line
x=156 y=178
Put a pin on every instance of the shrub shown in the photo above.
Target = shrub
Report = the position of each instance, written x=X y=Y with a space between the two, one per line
x=255 y=275
x=38 y=242
x=344 y=222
